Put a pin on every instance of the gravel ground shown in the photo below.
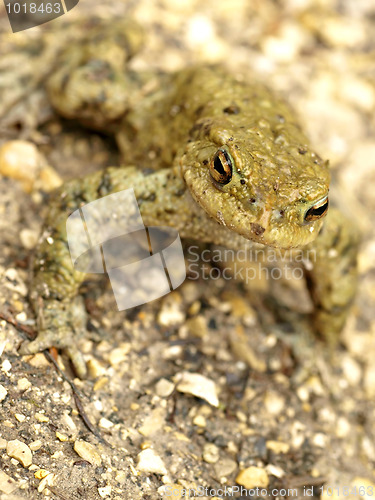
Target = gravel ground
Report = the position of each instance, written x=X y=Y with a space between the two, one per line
x=212 y=386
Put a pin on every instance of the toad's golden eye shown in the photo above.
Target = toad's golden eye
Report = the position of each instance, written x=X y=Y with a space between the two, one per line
x=221 y=167
x=317 y=211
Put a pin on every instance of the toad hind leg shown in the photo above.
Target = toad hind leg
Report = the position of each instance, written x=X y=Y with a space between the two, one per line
x=331 y=274
x=92 y=81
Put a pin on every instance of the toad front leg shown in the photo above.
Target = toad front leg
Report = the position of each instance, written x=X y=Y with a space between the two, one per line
x=332 y=274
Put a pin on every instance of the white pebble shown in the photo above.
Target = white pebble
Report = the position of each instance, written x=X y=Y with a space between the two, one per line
x=3 y=393
x=198 y=385
x=104 y=423
x=20 y=451
x=105 y=491
x=88 y=452
x=320 y=439
x=164 y=388
x=6 y=366
x=23 y=384
x=352 y=371
x=28 y=238
x=210 y=453
x=274 y=403
x=20 y=160
x=35 y=445
x=170 y=313
x=149 y=461
x=7 y=484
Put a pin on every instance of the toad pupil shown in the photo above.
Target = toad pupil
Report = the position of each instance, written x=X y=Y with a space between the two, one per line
x=221 y=167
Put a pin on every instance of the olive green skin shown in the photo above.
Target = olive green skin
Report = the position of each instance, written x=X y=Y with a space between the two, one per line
x=175 y=124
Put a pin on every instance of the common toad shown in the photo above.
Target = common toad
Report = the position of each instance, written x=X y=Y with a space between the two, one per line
x=230 y=164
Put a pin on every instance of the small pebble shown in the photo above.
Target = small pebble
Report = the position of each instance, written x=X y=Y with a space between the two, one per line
x=320 y=439
x=61 y=437
x=225 y=467
x=105 y=491
x=41 y=473
x=88 y=452
x=120 y=354
x=35 y=445
x=67 y=421
x=197 y=326
x=277 y=446
x=149 y=461
x=38 y=360
x=6 y=366
x=20 y=160
x=164 y=388
x=352 y=371
x=200 y=421
x=200 y=30
x=274 y=470
x=29 y=238
x=48 y=179
x=95 y=368
x=48 y=480
x=210 y=453
x=195 y=308
x=198 y=385
x=7 y=483
x=20 y=417
x=40 y=417
x=23 y=384
x=101 y=383
x=3 y=444
x=253 y=477
x=343 y=427
x=3 y=393
x=274 y=403
x=121 y=477
x=171 y=313
x=104 y=423
x=153 y=422
x=20 y=451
